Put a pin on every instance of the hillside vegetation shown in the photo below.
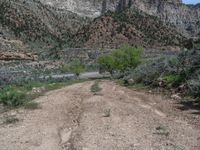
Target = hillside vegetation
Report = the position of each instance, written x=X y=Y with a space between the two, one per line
x=177 y=73
x=38 y=25
x=129 y=27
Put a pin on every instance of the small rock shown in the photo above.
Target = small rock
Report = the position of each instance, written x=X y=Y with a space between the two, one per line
x=65 y=136
x=161 y=84
x=131 y=81
x=38 y=90
x=176 y=97
x=182 y=88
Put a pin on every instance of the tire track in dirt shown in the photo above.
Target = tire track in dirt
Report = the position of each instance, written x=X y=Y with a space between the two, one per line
x=135 y=122
x=46 y=128
x=117 y=118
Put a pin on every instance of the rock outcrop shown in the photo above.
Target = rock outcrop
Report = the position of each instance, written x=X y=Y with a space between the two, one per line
x=8 y=56
x=185 y=17
x=89 y=8
x=40 y=26
x=11 y=45
x=128 y=27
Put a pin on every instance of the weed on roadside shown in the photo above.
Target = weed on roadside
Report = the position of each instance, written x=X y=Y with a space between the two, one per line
x=160 y=130
x=107 y=113
x=14 y=96
x=95 y=87
x=32 y=105
x=10 y=120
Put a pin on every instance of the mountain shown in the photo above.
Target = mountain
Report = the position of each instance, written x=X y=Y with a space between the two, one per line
x=197 y=5
x=55 y=24
x=130 y=27
x=185 y=17
x=39 y=26
x=89 y=8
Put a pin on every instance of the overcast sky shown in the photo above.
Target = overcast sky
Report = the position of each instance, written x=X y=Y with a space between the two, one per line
x=191 y=1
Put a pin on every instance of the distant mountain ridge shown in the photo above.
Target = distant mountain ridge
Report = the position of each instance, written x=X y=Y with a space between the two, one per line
x=185 y=18
x=55 y=24
x=197 y=5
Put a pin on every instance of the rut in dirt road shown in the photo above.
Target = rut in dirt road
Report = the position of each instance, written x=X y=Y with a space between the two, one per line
x=116 y=118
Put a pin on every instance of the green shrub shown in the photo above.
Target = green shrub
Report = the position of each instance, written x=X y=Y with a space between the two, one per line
x=12 y=97
x=65 y=68
x=189 y=61
x=173 y=80
x=21 y=95
x=127 y=57
x=149 y=72
x=106 y=63
x=120 y=60
x=196 y=46
x=194 y=85
x=95 y=87
x=181 y=69
x=76 y=67
x=32 y=105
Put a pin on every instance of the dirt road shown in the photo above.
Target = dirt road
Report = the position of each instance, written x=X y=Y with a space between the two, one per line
x=116 y=118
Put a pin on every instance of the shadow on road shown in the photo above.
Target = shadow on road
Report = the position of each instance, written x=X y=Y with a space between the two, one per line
x=190 y=105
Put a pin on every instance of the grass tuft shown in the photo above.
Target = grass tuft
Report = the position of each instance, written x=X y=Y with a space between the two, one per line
x=32 y=105
x=14 y=96
x=10 y=120
x=95 y=87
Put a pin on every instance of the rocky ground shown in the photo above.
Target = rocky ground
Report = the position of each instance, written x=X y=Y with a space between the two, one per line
x=114 y=118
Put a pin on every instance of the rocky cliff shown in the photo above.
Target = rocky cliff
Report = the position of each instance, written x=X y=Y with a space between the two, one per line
x=53 y=24
x=39 y=26
x=185 y=17
x=130 y=27
x=89 y=8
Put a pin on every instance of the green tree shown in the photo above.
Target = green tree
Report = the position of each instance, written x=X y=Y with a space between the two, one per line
x=76 y=67
x=106 y=63
x=121 y=59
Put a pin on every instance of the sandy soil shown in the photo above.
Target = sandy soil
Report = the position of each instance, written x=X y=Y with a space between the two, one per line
x=116 y=118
